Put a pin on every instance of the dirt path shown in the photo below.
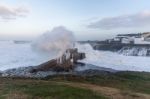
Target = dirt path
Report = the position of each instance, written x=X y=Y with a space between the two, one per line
x=112 y=93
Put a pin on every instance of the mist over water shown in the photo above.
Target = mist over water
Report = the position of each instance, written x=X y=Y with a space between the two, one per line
x=113 y=60
x=54 y=43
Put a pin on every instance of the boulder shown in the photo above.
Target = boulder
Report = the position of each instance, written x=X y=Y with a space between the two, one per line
x=64 y=63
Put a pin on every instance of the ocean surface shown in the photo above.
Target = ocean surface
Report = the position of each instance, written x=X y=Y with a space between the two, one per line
x=13 y=55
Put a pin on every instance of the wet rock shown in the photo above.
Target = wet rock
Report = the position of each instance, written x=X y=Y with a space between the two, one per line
x=64 y=63
x=80 y=69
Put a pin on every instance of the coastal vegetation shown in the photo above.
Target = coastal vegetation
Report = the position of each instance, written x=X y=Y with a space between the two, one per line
x=125 y=85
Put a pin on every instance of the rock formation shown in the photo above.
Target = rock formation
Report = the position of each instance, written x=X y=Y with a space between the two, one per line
x=64 y=63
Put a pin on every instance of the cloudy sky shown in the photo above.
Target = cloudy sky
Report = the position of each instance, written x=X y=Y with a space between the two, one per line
x=88 y=19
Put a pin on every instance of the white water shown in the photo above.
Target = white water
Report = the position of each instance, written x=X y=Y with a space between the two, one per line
x=54 y=42
x=135 y=51
x=114 y=60
x=19 y=55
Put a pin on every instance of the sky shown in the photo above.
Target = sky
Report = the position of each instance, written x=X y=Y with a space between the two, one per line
x=88 y=19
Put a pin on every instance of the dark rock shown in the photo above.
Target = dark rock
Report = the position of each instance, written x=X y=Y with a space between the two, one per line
x=92 y=72
x=81 y=69
x=64 y=63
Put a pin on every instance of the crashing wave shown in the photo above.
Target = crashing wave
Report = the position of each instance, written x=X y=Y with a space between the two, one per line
x=54 y=43
x=135 y=51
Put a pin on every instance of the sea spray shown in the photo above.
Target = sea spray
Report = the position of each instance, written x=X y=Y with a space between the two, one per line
x=54 y=43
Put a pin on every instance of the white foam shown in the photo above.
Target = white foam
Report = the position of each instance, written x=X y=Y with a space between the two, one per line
x=114 y=60
x=55 y=42
x=20 y=55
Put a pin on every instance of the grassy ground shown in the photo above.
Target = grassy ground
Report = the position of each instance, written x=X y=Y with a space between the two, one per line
x=39 y=89
x=133 y=81
x=121 y=85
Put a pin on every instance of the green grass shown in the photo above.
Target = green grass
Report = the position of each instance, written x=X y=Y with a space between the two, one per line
x=32 y=89
x=48 y=88
x=132 y=81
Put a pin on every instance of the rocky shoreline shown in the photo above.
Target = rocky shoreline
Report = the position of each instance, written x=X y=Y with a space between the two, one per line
x=66 y=64
x=80 y=70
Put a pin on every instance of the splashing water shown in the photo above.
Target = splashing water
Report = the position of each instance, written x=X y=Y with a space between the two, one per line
x=55 y=42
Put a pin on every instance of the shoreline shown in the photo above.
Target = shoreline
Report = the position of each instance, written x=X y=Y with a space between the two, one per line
x=86 y=70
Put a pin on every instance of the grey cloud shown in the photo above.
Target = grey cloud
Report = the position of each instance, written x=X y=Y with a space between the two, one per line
x=125 y=21
x=9 y=13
